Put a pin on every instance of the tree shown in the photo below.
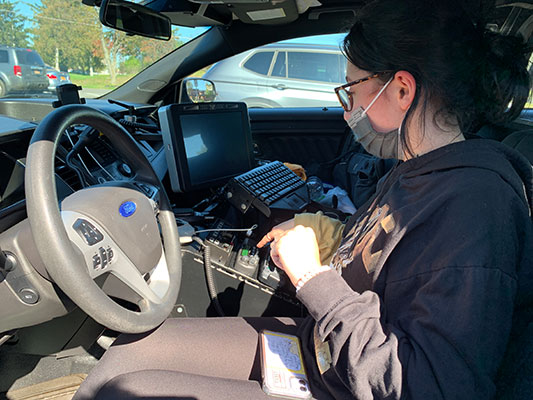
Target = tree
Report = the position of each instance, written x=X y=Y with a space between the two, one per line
x=114 y=47
x=117 y=46
x=69 y=33
x=65 y=33
x=152 y=50
x=130 y=66
x=12 y=31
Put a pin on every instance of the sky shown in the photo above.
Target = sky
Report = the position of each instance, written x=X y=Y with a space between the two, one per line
x=24 y=7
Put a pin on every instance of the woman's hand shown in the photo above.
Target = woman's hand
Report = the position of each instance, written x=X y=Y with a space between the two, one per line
x=276 y=232
x=296 y=252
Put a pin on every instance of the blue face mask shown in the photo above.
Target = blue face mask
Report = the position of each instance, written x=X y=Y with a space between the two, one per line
x=382 y=145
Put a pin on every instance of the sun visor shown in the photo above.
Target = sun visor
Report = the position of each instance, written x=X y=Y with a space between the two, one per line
x=280 y=12
x=185 y=13
x=192 y=13
x=257 y=11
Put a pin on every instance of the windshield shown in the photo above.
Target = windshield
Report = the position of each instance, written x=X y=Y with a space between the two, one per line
x=68 y=37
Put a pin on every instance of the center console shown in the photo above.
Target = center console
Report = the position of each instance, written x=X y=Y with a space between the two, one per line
x=209 y=149
x=243 y=274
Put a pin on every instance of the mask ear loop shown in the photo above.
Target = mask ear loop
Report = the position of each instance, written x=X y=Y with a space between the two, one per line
x=402 y=125
x=379 y=94
x=400 y=146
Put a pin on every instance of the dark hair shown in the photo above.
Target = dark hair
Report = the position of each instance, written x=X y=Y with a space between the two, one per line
x=465 y=71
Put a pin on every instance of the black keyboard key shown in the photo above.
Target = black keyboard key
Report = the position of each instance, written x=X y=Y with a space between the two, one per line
x=284 y=191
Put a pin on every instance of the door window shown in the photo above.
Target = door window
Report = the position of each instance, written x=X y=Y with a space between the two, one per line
x=3 y=56
x=26 y=57
x=322 y=67
x=260 y=62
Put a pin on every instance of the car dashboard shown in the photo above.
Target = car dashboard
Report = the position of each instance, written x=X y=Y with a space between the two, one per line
x=248 y=282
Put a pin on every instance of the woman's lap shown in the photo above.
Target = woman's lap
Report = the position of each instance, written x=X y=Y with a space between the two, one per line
x=225 y=348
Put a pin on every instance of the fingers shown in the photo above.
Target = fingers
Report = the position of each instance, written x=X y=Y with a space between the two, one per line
x=274 y=252
x=296 y=252
x=266 y=239
x=274 y=256
x=276 y=232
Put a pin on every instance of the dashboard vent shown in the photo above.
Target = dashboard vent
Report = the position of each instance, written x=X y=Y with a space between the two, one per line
x=100 y=149
x=67 y=175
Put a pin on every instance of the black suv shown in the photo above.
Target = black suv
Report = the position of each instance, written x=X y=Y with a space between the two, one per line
x=21 y=70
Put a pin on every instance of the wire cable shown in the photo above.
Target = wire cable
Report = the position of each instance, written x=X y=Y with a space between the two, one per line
x=70 y=164
x=209 y=277
x=99 y=165
x=254 y=226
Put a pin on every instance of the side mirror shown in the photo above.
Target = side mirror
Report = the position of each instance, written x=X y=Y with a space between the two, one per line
x=198 y=90
x=135 y=19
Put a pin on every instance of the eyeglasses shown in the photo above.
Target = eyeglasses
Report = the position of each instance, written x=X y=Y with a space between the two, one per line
x=345 y=96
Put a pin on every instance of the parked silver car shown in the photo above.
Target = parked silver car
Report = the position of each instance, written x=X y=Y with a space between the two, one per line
x=281 y=75
x=56 y=78
x=21 y=70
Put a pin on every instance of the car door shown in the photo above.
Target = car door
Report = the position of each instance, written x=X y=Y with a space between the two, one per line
x=244 y=77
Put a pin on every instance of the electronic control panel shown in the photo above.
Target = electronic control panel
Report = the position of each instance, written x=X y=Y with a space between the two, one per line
x=234 y=250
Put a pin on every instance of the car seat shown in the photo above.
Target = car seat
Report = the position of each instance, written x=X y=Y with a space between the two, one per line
x=515 y=377
x=522 y=141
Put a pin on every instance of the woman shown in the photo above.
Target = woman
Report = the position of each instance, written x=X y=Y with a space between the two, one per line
x=418 y=298
x=431 y=265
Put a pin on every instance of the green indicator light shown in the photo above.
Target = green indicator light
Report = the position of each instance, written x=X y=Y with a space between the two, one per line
x=244 y=252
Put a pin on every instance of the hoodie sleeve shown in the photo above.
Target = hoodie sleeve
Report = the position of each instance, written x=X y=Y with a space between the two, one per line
x=439 y=327
x=442 y=345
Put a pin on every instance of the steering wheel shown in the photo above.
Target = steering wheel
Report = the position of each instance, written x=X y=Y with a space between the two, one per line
x=106 y=239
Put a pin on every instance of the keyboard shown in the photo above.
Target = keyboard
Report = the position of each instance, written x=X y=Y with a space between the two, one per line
x=268 y=186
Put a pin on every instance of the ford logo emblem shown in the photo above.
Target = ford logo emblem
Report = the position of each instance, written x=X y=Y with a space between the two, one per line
x=127 y=208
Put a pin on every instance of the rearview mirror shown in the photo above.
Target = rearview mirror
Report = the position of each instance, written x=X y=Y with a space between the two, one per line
x=135 y=19
x=200 y=90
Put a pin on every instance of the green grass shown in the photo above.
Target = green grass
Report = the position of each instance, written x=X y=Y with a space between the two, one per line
x=104 y=81
x=97 y=81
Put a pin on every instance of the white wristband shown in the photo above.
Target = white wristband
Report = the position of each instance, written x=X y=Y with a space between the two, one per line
x=310 y=274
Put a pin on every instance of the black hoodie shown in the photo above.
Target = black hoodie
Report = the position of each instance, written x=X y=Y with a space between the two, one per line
x=432 y=267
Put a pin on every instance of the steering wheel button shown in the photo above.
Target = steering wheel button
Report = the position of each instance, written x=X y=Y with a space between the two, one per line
x=95 y=239
x=103 y=256
x=97 y=234
x=110 y=254
x=146 y=189
x=96 y=261
x=87 y=231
